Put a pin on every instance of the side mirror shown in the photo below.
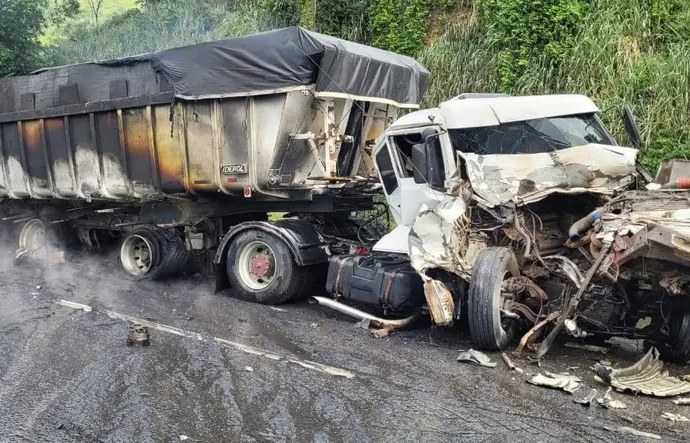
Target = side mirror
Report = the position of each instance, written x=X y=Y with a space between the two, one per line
x=631 y=128
x=427 y=160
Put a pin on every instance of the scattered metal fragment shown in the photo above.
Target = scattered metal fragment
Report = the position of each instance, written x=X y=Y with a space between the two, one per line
x=682 y=401
x=645 y=376
x=568 y=383
x=674 y=417
x=608 y=402
x=626 y=418
x=507 y=361
x=581 y=396
x=628 y=430
x=138 y=334
x=248 y=369
x=587 y=347
x=183 y=437
x=278 y=309
x=473 y=356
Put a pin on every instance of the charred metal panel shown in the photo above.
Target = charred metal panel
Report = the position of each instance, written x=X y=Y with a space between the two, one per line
x=235 y=149
x=118 y=88
x=145 y=147
x=57 y=145
x=168 y=151
x=114 y=158
x=139 y=149
x=201 y=134
x=85 y=156
x=36 y=157
x=27 y=101
x=14 y=162
x=68 y=94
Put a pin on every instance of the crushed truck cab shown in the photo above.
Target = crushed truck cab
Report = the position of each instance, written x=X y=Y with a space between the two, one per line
x=523 y=216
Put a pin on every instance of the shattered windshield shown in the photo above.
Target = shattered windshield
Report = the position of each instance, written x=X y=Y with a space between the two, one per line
x=531 y=136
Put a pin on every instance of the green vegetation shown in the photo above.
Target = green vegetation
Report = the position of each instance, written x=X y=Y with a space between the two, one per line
x=635 y=52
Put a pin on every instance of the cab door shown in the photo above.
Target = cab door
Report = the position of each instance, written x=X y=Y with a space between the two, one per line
x=404 y=184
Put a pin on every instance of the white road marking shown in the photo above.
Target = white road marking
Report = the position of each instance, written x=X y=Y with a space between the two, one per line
x=308 y=364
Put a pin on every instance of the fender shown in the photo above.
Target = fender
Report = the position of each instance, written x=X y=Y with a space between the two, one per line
x=304 y=241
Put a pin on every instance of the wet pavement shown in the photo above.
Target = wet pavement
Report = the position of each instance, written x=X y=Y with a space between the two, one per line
x=219 y=369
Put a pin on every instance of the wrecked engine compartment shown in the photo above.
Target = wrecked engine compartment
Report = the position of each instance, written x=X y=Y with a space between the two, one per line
x=592 y=265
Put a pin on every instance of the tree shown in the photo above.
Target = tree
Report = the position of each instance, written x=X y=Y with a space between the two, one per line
x=95 y=6
x=19 y=29
x=61 y=10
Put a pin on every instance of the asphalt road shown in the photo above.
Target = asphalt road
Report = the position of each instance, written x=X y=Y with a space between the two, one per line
x=222 y=370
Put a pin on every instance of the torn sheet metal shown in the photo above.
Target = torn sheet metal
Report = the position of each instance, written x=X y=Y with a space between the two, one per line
x=439 y=237
x=587 y=347
x=568 y=383
x=628 y=430
x=684 y=401
x=440 y=301
x=608 y=402
x=674 y=417
x=597 y=169
x=584 y=397
x=645 y=377
x=476 y=357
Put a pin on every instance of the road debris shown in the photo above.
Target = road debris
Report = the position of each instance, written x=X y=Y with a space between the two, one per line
x=248 y=369
x=568 y=383
x=682 y=401
x=629 y=430
x=278 y=309
x=183 y=437
x=645 y=377
x=510 y=364
x=674 y=417
x=138 y=334
x=608 y=402
x=587 y=347
x=476 y=357
x=584 y=398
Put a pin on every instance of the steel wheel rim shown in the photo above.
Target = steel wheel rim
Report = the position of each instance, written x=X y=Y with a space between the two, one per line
x=136 y=255
x=33 y=235
x=256 y=265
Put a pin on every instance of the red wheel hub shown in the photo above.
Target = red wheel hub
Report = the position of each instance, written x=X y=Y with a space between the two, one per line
x=260 y=265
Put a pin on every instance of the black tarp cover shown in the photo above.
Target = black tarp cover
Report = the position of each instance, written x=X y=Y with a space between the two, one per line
x=290 y=57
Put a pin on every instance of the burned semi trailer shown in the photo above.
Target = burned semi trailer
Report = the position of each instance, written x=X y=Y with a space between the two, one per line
x=185 y=151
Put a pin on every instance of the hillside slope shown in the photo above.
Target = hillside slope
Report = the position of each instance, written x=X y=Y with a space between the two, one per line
x=635 y=52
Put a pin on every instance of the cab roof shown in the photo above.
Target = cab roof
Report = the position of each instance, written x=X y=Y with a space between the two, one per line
x=481 y=111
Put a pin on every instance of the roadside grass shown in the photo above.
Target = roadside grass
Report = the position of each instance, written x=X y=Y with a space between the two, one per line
x=619 y=57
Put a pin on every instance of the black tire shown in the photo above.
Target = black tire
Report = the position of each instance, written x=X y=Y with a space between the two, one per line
x=168 y=253
x=174 y=254
x=484 y=316
x=288 y=280
x=677 y=350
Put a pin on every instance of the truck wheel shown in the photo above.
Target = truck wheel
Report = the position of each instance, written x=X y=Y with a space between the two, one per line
x=677 y=350
x=261 y=269
x=149 y=253
x=487 y=328
x=140 y=253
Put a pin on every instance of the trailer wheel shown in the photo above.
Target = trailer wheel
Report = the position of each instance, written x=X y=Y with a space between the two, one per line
x=140 y=253
x=487 y=328
x=261 y=269
x=149 y=253
x=677 y=350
